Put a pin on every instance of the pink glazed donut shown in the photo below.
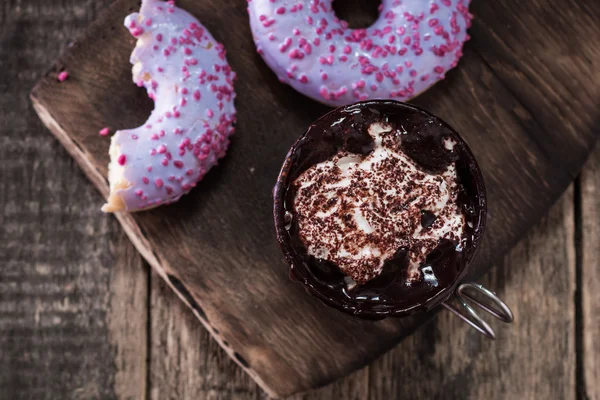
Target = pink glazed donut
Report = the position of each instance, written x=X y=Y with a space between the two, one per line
x=185 y=72
x=408 y=49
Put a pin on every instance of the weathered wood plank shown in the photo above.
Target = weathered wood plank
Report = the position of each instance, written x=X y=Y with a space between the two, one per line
x=127 y=319
x=537 y=48
x=185 y=362
x=590 y=275
x=352 y=387
x=72 y=289
x=532 y=359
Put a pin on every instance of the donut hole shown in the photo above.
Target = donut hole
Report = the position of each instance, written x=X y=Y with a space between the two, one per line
x=358 y=13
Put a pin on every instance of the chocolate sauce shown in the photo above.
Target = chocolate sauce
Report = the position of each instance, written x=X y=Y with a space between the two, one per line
x=423 y=140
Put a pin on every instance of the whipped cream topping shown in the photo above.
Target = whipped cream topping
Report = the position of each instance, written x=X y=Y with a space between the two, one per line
x=358 y=211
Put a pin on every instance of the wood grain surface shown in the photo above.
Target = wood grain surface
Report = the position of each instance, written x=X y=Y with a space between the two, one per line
x=49 y=217
x=589 y=279
x=205 y=244
x=63 y=268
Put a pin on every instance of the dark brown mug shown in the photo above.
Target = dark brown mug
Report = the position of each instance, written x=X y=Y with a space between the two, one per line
x=387 y=295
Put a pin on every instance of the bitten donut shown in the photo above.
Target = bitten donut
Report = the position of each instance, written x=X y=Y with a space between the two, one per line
x=187 y=75
x=410 y=47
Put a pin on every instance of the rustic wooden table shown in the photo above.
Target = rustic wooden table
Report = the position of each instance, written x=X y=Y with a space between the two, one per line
x=82 y=315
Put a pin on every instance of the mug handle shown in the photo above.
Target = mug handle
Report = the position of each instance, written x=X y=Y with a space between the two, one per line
x=471 y=317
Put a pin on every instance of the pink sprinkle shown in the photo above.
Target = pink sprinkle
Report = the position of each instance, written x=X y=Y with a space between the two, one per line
x=159 y=183
x=197 y=95
x=187 y=51
x=283 y=47
x=159 y=37
x=295 y=53
x=63 y=76
x=104 y=132
x=148 y=22
x=210 y=113
x=136 y=32
x=122 y=159
x=145 y=180
x=162 y=149
x=178 y=164
x=324 y=92
x=280 y=10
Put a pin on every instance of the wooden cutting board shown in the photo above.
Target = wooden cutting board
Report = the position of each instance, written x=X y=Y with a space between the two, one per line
x=525 y=97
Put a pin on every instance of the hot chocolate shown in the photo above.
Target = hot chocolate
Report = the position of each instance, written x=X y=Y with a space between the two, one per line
x=379 y=208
